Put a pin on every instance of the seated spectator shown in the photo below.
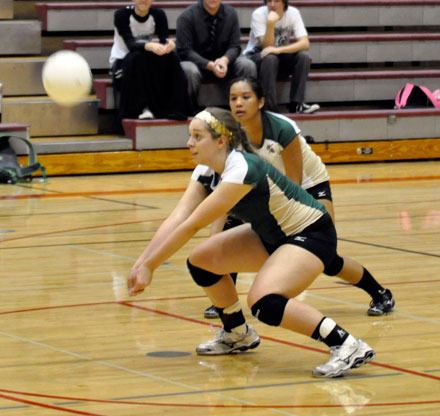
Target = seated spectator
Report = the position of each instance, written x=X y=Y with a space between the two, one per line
x=208 y=44
x=145 y=67
x=277 y=44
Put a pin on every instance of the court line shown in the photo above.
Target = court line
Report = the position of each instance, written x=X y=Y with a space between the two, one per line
x=67 y=230
x=404 y=250
x=91 y=193
x=125 y=369
x=46 y=406
x=280 y=341
x=222 y=406
x=167 y=190
x=338 y=285
x=241 y=405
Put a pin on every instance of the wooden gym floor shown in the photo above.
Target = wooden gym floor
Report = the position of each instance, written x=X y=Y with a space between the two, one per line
x=71 y=342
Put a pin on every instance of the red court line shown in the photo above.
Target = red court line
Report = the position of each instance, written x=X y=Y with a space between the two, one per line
x=205 y=405
x=92 y=193
x=338 y=286
x=171 y=190
x=46 y=406
x=68 y=230
x=280 y=341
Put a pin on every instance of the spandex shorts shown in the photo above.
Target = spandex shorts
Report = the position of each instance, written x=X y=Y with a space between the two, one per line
x=321 y=191
x=318 y=238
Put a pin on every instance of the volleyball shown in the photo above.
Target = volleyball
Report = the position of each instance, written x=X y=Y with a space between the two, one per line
x=67 y=78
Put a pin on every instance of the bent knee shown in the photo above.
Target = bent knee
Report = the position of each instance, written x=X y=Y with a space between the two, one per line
x=335 y=267
x=201 y=276
x=269 y=309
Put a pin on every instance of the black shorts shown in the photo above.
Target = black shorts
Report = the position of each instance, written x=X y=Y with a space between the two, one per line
x=318 y=238
x=321 y=191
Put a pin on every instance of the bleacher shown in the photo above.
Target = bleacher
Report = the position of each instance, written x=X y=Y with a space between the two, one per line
x=362 y=52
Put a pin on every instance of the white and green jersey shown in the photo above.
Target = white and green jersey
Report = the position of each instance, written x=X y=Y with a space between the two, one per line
x=275 y=207
x=278 y=132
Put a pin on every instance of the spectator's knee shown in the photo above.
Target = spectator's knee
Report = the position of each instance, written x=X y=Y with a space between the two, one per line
x=304 y=58
x=191 y=70
x=270 y=61
x=246 y=67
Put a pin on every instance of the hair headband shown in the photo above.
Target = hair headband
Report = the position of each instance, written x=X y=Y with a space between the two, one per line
x=213 y=123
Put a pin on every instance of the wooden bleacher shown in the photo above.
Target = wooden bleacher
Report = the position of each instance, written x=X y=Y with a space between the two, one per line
x=362 y=52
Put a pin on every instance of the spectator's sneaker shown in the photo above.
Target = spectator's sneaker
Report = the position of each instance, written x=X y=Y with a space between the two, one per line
x=307 y=108
x=382 y=306
x=146 y=114
x=211 y=313
x=229 y=342
x=345 y=357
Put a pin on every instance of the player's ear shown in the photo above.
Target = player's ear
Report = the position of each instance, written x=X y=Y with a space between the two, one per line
x=261 y=103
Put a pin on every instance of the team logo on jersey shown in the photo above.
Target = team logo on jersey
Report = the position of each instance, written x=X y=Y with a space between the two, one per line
x=270 y=148
x=322 y=194
x=300 y=238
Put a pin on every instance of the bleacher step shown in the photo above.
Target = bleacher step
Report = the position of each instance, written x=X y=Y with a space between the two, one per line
x=78 y=144
x=325 y=126
x=6 y=9
x=98 y=16
x=22 y=75
x=340 y=48
x=20 y=37
x=323 y=86
x=46 y=118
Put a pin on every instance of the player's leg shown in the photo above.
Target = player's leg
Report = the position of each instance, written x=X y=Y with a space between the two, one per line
x=237 y=249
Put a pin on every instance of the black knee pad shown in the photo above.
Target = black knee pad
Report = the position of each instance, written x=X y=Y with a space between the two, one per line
x=270 y=309
x=335 y=266
x=203 y=277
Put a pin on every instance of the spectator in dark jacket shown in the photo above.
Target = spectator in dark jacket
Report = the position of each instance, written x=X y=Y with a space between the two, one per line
x=208 y=44
x=145 y=67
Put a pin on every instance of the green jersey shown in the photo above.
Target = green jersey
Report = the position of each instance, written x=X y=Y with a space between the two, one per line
x=275 y=207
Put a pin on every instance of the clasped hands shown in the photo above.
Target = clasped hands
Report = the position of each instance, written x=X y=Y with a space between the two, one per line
x=139 y=278
x=219 y=67
x=160 y=48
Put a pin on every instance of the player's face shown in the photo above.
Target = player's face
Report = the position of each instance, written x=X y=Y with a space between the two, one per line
x=276 y=6
x=244 y=103
x=201 y=144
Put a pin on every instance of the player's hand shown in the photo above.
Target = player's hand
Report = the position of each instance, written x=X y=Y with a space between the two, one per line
x=138 y=279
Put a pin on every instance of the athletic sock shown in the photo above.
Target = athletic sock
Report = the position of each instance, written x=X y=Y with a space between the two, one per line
x=329 y=332
x=232 y=318
x=370 y=285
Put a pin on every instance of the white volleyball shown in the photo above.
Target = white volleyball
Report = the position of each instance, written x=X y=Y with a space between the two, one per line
x=67 y=78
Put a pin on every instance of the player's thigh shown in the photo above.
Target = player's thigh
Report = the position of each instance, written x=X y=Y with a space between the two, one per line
x=288 y=271
x=238 y=249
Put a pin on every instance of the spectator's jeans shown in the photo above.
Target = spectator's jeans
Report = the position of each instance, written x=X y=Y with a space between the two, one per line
x=271 y=67
x=242 y=67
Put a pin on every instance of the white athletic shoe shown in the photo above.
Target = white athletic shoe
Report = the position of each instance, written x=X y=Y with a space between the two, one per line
x=345 y=357
x=229 y=342
x=146 y=114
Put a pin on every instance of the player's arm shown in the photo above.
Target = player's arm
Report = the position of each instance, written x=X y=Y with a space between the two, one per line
x=193 y=196
x=216 y=205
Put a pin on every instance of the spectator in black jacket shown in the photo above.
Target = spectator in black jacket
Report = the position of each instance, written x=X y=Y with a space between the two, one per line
x=208 y=44
x=145 y=67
